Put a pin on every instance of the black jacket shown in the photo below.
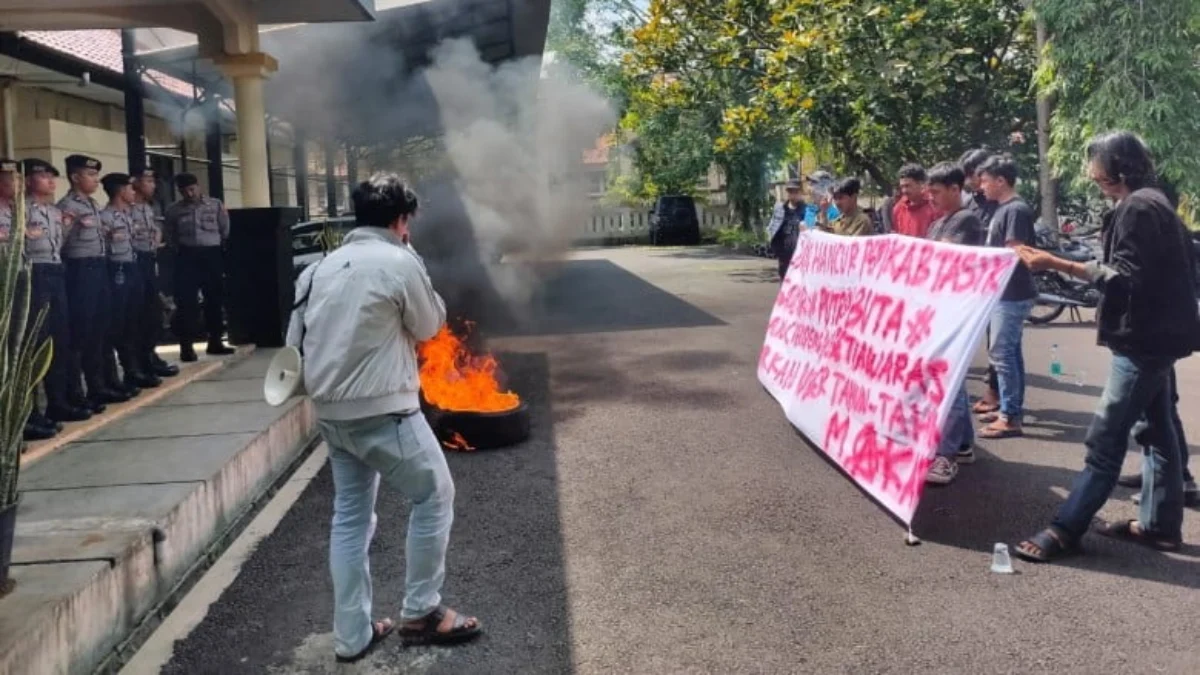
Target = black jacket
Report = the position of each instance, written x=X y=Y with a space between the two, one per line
x=1149 y=303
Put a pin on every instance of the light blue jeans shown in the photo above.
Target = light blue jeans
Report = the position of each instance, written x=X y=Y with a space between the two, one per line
x=405 y=453
x=959 y=430
x=1007 y=357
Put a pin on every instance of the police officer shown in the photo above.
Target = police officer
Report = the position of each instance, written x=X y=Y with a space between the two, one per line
x=195 y=227
x=147 y=239
x=126 y=289
x=88 y=288
x=37 y=427
x=48 y=290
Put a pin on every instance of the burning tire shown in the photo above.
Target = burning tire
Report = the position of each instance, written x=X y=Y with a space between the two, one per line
x=470 y=430
x=463 y=400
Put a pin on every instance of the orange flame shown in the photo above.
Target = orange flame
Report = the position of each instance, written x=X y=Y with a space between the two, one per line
x=452 y=378
x=457 y=442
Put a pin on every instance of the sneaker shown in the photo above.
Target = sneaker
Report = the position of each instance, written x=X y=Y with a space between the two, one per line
x=942 y=472
x=965 y=455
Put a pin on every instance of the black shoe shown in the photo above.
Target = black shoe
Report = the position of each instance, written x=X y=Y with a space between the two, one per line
x=187 y=354
x=219 y=349
x=103 y=396
x=70 y=413
x=143 y=380
x=36 y=432
x=1133 y=480
x=161 y=368
x=88 y=404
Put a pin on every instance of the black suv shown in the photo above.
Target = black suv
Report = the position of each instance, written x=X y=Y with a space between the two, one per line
x=674 y=221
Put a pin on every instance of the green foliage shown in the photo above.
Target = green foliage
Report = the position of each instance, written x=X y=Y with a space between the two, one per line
x=1125 y=64
x=23 y=362
x=875 y=83
x=740 y=239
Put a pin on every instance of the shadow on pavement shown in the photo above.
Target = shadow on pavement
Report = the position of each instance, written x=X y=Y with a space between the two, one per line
x=594 y=296
x=585 y=377
x=998 y=501
x=761 y=276
x=704 y=253
x=1064 y=384
x=505 y=565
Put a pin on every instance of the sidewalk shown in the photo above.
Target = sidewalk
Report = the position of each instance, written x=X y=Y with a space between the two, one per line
x=111 y=522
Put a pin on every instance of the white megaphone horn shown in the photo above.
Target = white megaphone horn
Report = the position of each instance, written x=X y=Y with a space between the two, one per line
x=285 y=376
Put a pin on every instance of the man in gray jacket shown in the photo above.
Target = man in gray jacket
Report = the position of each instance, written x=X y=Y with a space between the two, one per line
x=359 y=315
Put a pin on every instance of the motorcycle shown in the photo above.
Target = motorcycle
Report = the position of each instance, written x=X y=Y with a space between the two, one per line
x=1058 y=293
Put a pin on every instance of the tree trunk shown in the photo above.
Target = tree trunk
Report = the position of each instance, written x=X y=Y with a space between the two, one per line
x=1046 y=187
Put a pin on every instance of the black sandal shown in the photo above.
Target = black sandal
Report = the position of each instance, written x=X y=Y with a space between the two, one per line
x=1125 y=532
x=379 y=630
x=429 y=631
x=1046 y=546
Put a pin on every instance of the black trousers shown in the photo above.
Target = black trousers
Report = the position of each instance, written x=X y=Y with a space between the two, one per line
x=89 y=299
x=149 y=310
x=124 y=317
x=199 y=268
x=49 y=291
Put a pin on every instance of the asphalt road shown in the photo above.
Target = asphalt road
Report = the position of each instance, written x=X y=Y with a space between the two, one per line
x=666 y=519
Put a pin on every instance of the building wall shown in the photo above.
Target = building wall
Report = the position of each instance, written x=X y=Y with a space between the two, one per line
x=52 y=125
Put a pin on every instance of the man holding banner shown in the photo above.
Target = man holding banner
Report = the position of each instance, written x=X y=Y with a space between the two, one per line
x=1148 y=318
x=960 y=226
x=868 y=345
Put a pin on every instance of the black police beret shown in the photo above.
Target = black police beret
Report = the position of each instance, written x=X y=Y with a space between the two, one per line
x=183 y=180
x=8 y=165
x=113 y=181
x=139 y=171
x=34 y=165
x=82 y=162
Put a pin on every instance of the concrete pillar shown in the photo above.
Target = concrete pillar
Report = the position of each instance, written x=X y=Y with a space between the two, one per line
x=300 y=160
x=212 y=148
x=330 y=178
x=248 y=71
x=135 y=116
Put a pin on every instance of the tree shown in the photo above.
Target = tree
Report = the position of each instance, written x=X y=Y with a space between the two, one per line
x=1125 y=64
x=882 y=82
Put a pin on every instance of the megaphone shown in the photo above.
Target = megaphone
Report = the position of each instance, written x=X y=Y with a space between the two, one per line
x=285 y=376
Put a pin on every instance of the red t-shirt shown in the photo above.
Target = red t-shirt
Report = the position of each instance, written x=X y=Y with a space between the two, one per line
x=911 y=220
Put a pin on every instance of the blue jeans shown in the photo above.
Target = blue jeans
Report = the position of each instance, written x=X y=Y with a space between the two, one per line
x=1136 y=387
x=406 y=454
x=1007 y=356
x=1143 y=433
x=959 y=431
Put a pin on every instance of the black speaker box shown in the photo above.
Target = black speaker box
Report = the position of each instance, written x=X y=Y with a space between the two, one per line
x=259 y=273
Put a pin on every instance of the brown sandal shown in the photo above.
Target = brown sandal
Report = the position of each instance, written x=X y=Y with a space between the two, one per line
x=428 y=630
x=1000 y=429
x=1131 y=531
x=983 y=406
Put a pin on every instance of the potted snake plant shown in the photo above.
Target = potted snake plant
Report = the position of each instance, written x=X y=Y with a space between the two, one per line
x=23 y=364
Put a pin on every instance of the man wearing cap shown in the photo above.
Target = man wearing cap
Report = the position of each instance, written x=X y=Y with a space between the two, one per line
x=88 y=292
x=48 y=291
x=147 y=239
x=37 y=427
x=784 y=228
x=126 y=286
x=195 y=227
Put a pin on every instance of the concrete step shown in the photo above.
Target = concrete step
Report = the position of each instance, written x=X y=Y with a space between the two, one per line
x=111 y=522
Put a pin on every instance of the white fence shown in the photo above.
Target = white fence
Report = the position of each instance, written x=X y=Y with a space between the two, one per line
x=625 y=224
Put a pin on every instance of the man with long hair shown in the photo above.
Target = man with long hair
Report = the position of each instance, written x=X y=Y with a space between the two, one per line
x=1148 y=318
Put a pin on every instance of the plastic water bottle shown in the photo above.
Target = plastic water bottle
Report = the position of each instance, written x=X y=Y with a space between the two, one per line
x=1056 y=368
x=1001 y=562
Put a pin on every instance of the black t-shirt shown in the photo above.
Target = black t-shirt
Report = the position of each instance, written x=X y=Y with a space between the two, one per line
x=983 y=207
x=960 y=227
x=1013 y=221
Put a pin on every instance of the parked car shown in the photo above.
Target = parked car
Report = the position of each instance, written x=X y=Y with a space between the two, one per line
x=307 y=244
x=674 y=221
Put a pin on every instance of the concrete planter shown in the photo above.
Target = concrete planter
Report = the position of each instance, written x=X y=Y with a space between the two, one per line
x=8 y=526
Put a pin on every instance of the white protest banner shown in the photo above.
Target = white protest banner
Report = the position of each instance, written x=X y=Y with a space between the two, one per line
x=868 y=342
